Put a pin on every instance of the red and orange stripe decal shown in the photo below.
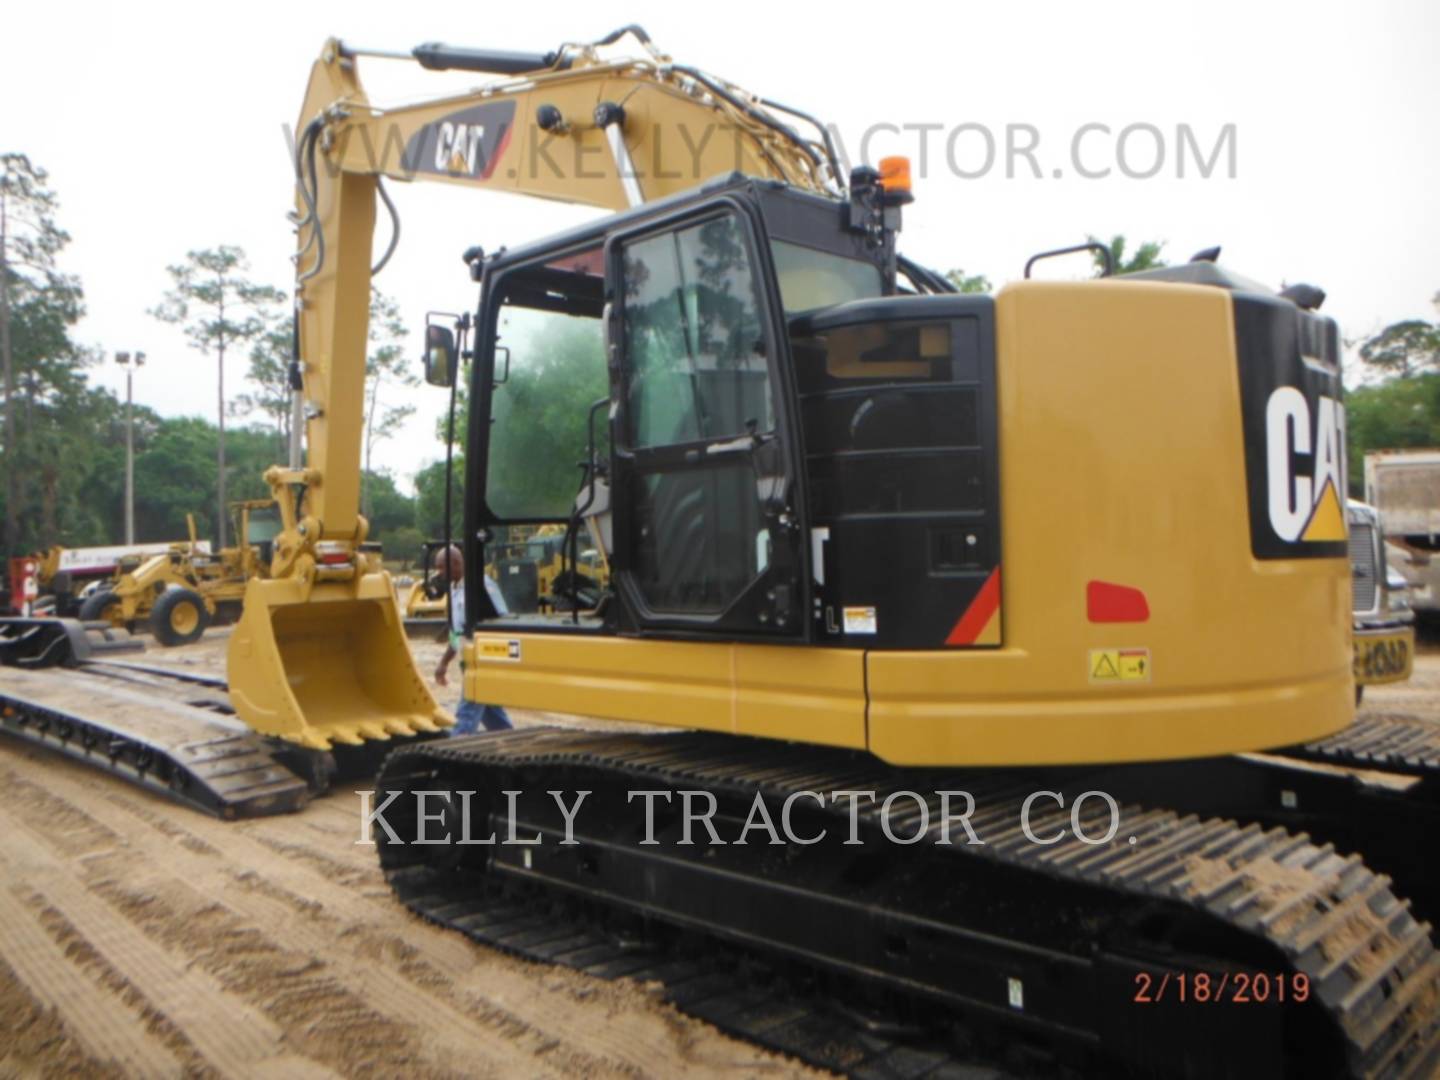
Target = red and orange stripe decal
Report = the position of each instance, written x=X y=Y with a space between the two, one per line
x=980 y=625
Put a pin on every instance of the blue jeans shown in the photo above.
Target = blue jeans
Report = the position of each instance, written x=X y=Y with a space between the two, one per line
x=472 y=717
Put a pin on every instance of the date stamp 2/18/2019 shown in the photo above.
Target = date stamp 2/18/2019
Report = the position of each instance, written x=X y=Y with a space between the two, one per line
x=1234 y=987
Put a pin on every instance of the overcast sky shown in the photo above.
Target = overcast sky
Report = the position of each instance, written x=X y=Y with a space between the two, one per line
x=161 y=125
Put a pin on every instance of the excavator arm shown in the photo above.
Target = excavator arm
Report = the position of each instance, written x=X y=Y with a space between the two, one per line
x=578 y=129
x=320 y=654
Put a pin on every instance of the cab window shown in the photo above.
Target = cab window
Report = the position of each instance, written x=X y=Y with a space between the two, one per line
x=697 y=366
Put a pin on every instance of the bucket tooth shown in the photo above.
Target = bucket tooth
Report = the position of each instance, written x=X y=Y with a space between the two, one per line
x=399 y=727
x=376 y=732
x=346 y=734
x=311 y=740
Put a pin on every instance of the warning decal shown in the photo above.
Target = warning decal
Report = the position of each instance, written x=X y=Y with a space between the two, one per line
x=860 y=620
x=980 y=624
x=1119 y=665
x=490 y=649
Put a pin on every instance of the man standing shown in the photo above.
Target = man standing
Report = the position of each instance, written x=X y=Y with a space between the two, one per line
x=471 y=716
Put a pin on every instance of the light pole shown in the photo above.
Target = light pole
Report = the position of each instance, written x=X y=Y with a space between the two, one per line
x=138 y=360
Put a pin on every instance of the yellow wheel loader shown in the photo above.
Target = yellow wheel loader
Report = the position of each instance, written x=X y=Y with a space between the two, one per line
x=180 y=593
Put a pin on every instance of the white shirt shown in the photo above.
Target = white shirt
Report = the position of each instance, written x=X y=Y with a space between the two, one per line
x=457 y=608
x=457 y=603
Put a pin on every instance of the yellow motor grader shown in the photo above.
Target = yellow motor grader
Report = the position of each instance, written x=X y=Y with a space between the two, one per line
x=182 y=591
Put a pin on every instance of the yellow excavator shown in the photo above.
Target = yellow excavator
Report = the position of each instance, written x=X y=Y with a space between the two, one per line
x=1072 y=556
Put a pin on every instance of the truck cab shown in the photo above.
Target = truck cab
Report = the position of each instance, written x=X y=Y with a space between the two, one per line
x=1384 y=621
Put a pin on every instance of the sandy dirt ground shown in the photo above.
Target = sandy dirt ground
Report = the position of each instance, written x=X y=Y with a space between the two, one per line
x=138 y=938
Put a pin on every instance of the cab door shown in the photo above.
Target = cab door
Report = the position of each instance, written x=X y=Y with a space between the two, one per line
x=707 y=515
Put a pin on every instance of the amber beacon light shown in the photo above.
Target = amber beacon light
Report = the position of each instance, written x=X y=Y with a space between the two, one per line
x=895 y=178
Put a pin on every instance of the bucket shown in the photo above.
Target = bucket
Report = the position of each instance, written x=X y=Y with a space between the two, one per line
x=333 y=667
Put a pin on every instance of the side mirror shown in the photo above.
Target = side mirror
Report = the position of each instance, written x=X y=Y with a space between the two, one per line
x=441 y=359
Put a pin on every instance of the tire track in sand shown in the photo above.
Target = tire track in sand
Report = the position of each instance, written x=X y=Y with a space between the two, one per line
x=307 y=871
x=303 y=898
x=654 y=1040
x=208 y=1029
x=167 y=909
x=108 y=1030
x=305 y=924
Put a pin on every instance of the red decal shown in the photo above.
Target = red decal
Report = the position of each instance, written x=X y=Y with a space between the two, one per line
x=1115 y=603
x=986 y=601
x=498 y=154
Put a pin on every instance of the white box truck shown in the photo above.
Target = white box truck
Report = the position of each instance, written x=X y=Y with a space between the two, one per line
x=1404 y=486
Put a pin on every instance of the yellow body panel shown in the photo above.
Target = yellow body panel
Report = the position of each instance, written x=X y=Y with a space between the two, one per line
x=809 y=695
x=1121 y=460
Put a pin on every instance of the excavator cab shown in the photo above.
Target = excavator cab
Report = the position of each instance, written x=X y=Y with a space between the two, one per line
x=764 y=388
x=704 y=423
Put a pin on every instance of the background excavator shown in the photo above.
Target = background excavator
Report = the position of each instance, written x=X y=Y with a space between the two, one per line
x=809 y=463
